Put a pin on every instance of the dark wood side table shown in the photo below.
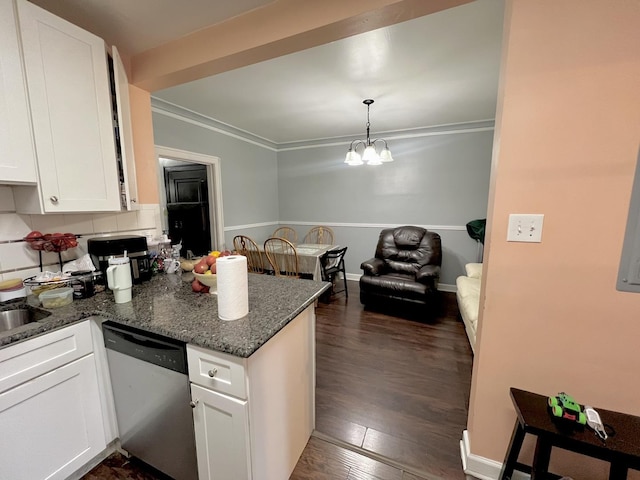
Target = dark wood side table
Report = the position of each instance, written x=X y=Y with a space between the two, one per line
x=621 y=450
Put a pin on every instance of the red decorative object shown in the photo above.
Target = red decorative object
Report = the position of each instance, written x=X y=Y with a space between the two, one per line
x=51 y=242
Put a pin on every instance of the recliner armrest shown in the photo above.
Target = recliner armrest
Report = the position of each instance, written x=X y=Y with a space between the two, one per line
x=373 y=266
x=427 y=273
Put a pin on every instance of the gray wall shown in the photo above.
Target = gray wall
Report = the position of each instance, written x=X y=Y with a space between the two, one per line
x=439 y=181
x=249 y=173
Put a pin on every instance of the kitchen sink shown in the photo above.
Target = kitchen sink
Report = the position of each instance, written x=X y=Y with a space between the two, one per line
x=10 y=319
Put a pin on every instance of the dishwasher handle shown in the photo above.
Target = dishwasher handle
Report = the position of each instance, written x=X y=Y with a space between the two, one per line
x=142 y=340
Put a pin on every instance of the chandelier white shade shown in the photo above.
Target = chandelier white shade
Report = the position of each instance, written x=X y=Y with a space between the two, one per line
x=370 y=156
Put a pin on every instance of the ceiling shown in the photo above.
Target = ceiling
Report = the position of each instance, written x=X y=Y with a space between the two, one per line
x=434 y=70
x=138 y=25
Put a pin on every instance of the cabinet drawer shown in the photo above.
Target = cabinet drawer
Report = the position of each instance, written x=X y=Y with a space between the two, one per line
x=217 y=371
x=31 y=358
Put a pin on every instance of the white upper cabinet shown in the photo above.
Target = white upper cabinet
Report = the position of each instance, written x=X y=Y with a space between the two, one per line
x=68 y=85
x=17 y=157
x=73 y=120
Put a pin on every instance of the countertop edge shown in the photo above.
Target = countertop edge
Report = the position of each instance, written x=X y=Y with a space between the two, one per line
x=235 y=330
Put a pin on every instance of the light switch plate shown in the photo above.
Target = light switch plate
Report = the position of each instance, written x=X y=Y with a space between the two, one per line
x=525 y=227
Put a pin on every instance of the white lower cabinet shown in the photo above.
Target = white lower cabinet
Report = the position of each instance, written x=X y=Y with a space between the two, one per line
x=51 y=425
x=253 y=416
x=51 y=413
x=222 y=435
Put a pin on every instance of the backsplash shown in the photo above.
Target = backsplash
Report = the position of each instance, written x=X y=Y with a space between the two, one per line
x=18 y=260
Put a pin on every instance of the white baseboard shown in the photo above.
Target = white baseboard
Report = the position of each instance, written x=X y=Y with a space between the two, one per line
x=447 y=287
x=443 y=287
x=482 y=468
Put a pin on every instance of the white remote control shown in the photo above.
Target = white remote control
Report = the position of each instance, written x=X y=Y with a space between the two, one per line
x=593 y=420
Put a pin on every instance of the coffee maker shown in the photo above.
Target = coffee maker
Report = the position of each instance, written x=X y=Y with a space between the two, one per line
x=103 y=248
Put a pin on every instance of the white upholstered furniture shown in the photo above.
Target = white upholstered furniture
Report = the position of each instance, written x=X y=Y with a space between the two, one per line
x=468 y=294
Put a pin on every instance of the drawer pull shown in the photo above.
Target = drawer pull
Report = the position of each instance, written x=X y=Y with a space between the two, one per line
x=193 y=403
x=54 y=199
x=213 y=372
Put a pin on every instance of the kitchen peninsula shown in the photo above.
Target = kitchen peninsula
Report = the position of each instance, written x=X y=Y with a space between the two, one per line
x=254 y=415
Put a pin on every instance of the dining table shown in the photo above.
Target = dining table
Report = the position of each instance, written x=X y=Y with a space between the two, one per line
x=309 y=258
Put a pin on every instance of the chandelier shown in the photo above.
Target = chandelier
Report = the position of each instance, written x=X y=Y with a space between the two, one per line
x=370 y=155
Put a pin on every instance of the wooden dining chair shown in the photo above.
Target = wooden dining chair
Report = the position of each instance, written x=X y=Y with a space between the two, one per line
x=319 y=235
x=282 y=256
x=246 y=246
x=287 y=233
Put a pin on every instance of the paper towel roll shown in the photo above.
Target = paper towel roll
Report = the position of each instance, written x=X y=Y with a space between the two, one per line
x=233 y=289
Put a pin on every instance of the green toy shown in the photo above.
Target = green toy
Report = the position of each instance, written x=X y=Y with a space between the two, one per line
x=564 y=406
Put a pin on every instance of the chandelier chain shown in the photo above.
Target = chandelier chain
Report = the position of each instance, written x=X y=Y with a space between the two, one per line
x=368 y=124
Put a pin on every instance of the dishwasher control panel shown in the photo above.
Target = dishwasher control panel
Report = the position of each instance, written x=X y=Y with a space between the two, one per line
x=149 y=347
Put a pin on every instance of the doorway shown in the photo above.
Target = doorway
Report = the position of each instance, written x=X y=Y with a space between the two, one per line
x=190 y=188
x=186 y=188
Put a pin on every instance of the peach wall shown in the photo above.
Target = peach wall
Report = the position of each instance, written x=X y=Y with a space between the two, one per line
x=143 y=145
x=567 y=138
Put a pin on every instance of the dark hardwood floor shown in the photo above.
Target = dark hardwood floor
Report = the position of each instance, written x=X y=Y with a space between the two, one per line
x=395 y=387
x=391 y=400
x=118 y=467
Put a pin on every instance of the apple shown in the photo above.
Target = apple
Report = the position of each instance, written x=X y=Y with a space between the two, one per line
x=201 y=267
x=196 y=286
x=214 y=268
x=210 y=259
x=225 y=253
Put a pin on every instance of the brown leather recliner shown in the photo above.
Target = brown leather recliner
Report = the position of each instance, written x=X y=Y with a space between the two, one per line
x=406 y=268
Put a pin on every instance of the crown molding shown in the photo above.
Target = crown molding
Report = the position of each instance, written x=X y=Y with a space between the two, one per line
x=177 y=112
x=189 y=116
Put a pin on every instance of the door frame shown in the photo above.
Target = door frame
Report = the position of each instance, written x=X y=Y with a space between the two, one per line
x=214 y=185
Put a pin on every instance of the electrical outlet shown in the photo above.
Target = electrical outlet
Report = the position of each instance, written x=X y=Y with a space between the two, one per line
x=525 y=228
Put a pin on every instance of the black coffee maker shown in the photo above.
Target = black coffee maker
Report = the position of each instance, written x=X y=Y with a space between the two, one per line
x=102 y=248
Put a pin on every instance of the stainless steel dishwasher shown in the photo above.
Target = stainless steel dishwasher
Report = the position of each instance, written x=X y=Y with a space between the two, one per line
x=152 y=399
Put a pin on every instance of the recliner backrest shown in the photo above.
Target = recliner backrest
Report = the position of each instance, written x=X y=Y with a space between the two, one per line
x=406 y=249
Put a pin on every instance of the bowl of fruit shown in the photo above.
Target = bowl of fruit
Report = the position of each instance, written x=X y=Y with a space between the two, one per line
x=206 y=280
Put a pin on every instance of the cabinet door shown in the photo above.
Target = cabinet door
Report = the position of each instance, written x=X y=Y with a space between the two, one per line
x=222 y=435
x=126 y=131
x=68 y=84
x=17 y=156
x=52 y=425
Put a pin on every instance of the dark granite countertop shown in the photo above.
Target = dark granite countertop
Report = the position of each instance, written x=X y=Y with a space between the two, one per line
x=166 y=305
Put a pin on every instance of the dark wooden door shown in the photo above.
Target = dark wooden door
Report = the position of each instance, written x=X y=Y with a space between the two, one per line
x=188 y=207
